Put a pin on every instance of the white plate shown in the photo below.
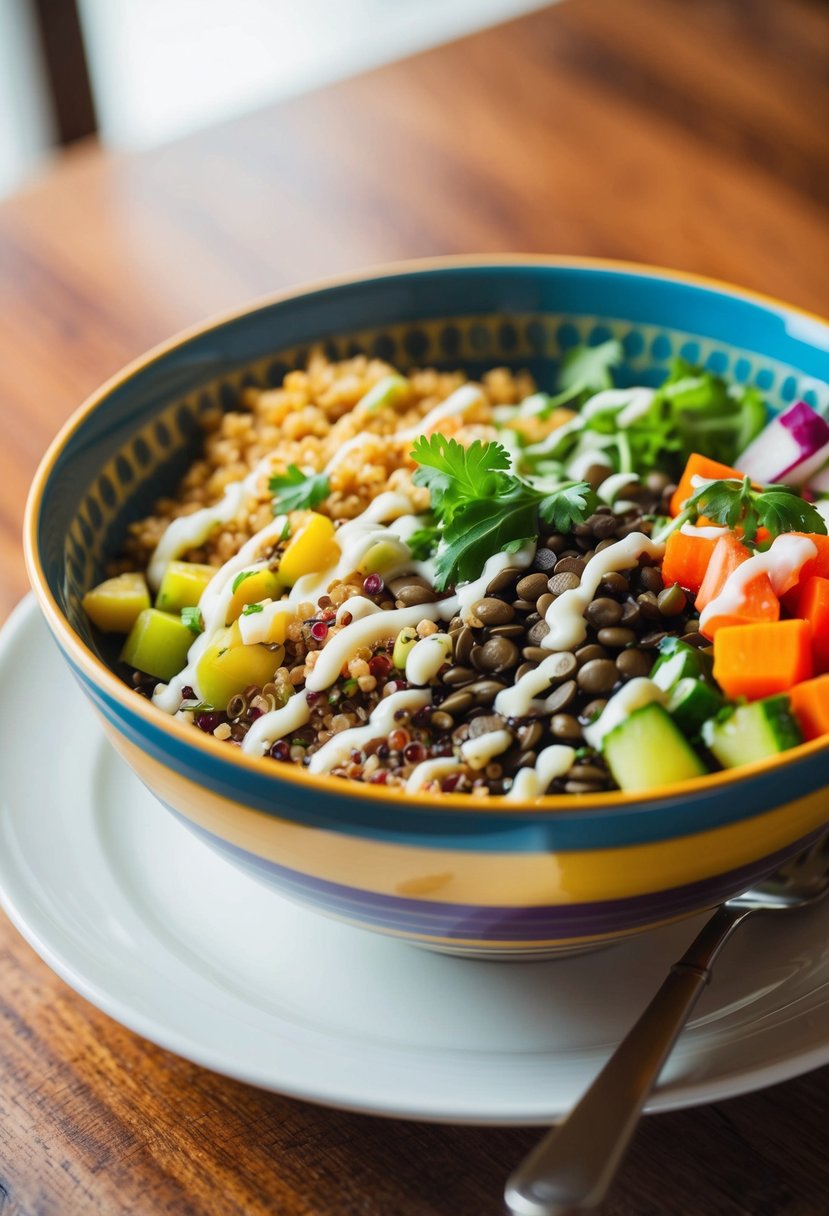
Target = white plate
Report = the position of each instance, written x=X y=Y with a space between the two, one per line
x=145 y=922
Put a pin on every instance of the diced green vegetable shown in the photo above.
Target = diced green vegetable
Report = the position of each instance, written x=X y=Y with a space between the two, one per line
x=679 y=661
x=228 y=666
x=752 y=732
x=182 y=585
x=648 y=750
x=404 y=642
x=157 y=644
x=692 y=702
x=115 y=605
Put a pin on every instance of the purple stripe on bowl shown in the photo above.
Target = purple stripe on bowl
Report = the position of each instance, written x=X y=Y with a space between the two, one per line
x=463 y=922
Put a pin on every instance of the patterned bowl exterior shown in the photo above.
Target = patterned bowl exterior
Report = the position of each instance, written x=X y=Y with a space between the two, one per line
x=497 y=880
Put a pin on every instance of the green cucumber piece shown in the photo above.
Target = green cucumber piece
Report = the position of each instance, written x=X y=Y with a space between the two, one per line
x=752 y=732
x=157 y=644
x=648 y=750
x=679 y=661
x=692 y=702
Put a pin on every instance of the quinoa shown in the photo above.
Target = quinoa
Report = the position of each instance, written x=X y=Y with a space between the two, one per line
x=306 y=422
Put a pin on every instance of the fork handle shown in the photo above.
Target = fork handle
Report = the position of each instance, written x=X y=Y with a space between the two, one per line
x=571 y=1169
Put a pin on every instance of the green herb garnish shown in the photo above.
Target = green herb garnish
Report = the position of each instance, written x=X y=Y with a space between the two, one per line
x=298 y=491
x=588 y=367
x=192 y=618
x=482 y=508
x=240 y=578
x=249 y=609
x=739 y=505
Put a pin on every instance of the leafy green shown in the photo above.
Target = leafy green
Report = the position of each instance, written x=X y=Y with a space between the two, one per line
x=423 y=542
x=692 y=410
x=482 y=508
x=298 y=491
x=192 y=618
x=588 y=367
x=737 y=504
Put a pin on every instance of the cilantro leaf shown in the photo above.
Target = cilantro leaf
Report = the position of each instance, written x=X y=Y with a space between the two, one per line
x=588 y=367
x=737 y=504
x=298 y=491
x=481 y=507
x=249 y=609
x=568 y=505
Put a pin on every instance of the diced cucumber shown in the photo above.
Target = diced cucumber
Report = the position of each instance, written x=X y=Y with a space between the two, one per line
x=692 y=702
x=116 y=604
x=752 y=732
x=157 y=644
x=648 y=750
x=679 y=661
x=182 y=585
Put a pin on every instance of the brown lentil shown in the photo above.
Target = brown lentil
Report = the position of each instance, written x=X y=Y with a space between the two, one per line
x=413 y=594
x=503 y=580
x=586 y=654
x=598 y=676
x=570 y=565
x=543 y=602
x=531 y=586
x=616 y=637
x=458 y=675
x=490 y=611
x=538 y=633
x=561 y=698
x=603 y=612
x=614 y=583
x=632 y=663
x=564 y=580
x=650 y=579
x=672 y=601
x=565 y=726
x=545 y=560
x=442 y=720
x=458 y=702
x=485 y=691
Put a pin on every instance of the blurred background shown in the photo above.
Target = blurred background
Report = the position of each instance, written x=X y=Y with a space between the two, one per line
x=142 y=72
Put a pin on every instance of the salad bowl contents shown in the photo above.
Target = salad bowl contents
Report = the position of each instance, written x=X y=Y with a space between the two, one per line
x=506 y=660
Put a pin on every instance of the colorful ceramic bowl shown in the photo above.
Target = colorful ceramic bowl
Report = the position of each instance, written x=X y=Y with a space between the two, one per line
x=494 y=880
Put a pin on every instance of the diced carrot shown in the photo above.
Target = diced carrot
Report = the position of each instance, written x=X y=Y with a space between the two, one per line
x=686 y=560
x=810 y=705
x=813 y=606
x=698 y=466
x=816 y=565
x=728 y=554
x=760 y=660
x=757 y=603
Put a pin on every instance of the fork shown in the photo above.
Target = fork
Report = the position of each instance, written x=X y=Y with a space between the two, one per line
x=572 y=1168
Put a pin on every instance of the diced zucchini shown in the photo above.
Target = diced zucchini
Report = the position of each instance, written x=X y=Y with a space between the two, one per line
x=679 y=661
x=384 y=556
x=312 y=548
x=387 y=391
x=752 y=732
x=649 y=750
x=252 y=589
x=228 y=666
x=157 y=644
x=182 y=585
x=692 y=702
x=116 y=604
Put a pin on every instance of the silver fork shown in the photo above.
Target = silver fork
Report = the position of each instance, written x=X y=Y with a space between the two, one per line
x=571 y=1170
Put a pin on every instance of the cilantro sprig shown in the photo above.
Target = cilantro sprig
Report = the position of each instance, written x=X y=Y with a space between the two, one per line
x=481 y=507
x=737 y=504
x=298 y=491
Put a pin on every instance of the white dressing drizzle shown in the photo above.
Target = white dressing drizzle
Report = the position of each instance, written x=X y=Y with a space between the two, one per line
x=431 y=770
x=552 y=762
x=339 y=747
x=275 y=725
x=378 y=627
x=478 y=752
x=612 y=485
x=633 y=695
x=712 y=532
x=782 y=560
x=357 y=607
x=213 y=605
x=427 y=656
x=257 y=626
x=565 y=615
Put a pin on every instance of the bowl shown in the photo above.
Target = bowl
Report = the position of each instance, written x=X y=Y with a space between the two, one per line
x=494 y=880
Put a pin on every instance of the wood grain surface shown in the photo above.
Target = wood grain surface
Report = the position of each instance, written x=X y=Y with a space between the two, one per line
x=686 y=134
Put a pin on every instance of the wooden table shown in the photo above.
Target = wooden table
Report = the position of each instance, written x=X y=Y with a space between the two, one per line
x=691 y=135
